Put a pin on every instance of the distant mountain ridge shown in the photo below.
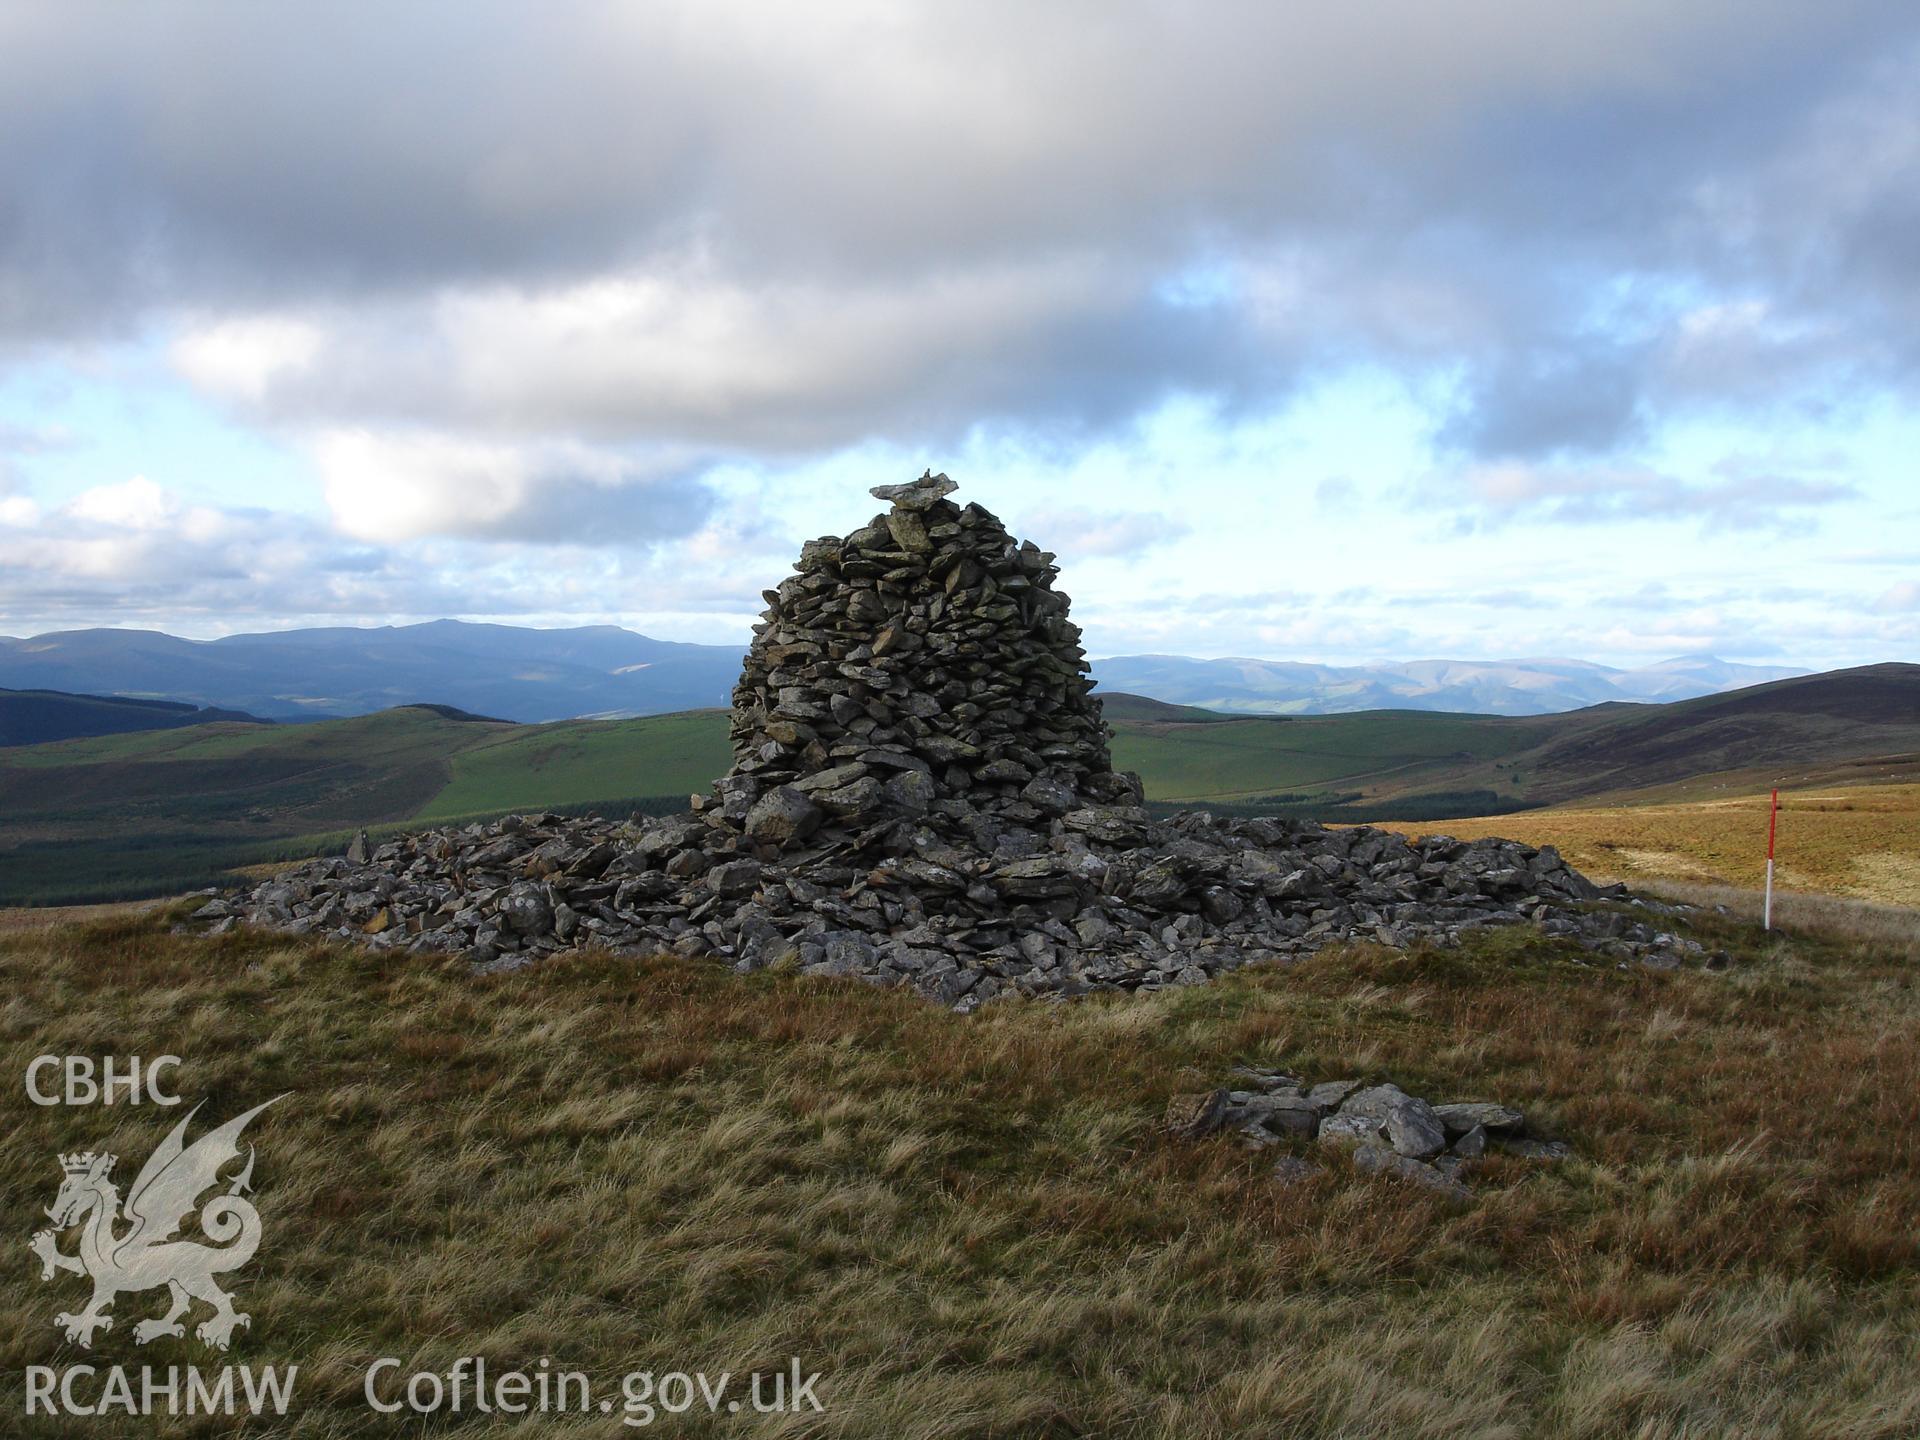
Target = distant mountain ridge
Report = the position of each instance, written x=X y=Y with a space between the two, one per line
x=505 y=670
x=531 y=675
x=1475 y=687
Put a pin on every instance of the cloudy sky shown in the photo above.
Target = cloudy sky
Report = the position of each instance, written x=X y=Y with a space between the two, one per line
x=1331 y=332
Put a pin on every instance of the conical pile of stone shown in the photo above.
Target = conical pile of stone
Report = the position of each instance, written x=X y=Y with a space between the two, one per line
x=924 y=660
x=922 y=795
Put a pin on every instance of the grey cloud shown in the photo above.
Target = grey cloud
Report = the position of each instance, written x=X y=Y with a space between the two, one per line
x=1245 y=605
x=1877 y=557
x=562 y=506
x=1336 y=493
x=32 y=439
x=1903 y=598
x=1458 y=184
x=1572 y=400
x=1507 y=599
x=1596 y=494
x=1659 y=598
x=682 y=356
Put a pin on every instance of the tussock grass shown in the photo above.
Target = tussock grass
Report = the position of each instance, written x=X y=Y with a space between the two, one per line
x=973 y=1227
x=1891 y=928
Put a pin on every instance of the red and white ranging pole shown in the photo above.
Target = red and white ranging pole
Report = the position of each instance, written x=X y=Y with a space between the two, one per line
x=1773 y=818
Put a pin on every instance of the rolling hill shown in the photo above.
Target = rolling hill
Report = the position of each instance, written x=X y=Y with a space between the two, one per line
x=137 y=814
x=34 y=717
x=1787 y=725
x=127 y=814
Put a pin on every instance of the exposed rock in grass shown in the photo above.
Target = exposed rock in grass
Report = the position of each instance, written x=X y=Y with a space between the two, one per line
x=1192 y=1116
x=1386 y=1130
x=1373 y=1159
x=922 y=795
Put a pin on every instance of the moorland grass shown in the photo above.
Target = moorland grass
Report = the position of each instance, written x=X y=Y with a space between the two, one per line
x=973 y=1226
x=1859 y=841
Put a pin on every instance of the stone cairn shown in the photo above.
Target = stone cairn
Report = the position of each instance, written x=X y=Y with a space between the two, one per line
x=922 y=795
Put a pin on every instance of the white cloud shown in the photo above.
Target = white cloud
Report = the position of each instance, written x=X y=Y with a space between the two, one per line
x=389 y=487
x=136 y=504
x=1102 y=533
x=244 y=358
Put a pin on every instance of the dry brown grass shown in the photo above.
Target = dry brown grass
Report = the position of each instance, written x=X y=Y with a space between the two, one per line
x=1892 y=928
x=1859 y=841
x=973 y=1227
x=41 y=917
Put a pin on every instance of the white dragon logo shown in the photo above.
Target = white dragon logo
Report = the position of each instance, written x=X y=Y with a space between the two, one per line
x=146 y=1256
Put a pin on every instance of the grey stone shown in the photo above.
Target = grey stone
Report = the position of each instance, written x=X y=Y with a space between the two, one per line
x=1378 y=1160
x=1349 y=1129
x=831 y=779
x=1049 y=797
x=526 y=911
x=782 y=816
x=910 y=791
x=862 y=797
x=1291 y=1115
x=1193 y=1115
x=1374 y=1101
x=1462 y=1116
x=1413 y=1130
x=849 y=953
x=736 y=877
x=918 y=494
x=1093 y=929
x=1329 y=1094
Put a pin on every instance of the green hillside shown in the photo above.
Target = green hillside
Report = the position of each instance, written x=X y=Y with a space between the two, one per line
x=146 y=813
x=1367 y=752
x=583 y=762
x=1118 y=706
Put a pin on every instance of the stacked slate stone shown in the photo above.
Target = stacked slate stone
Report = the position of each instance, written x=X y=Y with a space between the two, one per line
x=923 y=663
x=922 y=795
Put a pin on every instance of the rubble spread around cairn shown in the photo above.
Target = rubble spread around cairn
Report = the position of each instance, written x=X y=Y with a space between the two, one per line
x=922 y=795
